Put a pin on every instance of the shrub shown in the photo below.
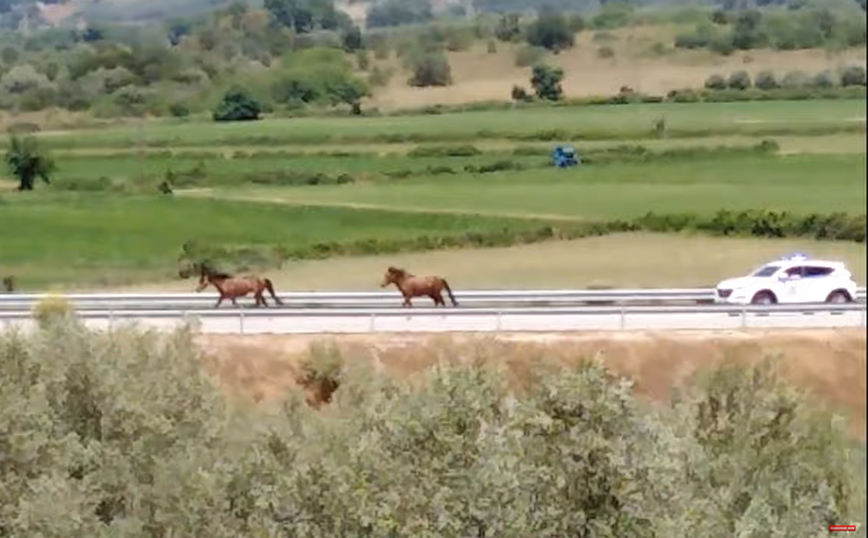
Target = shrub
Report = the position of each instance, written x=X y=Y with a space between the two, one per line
x=552 y=31
x=546 y=82
x=739 y=80
x=51 y=310
x=518 y=93
x=765 y=80
x=125 y=434
x=237 y=105
x=853 y=76
x=796 y=79
x=715 y=82
x=179 y=110
x=432 y=69
x=605 y=52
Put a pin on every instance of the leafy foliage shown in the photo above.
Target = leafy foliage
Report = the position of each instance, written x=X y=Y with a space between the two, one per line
x=123 y=434
x=546 y=82
x=27 y=162
x=237 y=105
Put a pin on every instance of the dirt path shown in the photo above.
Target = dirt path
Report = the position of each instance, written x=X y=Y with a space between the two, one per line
x=829 y=364
x=209 y=193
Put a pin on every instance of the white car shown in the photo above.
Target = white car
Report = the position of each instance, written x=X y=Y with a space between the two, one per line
x=793 y=279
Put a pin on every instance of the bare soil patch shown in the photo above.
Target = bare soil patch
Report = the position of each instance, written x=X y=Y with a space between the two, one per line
x=828 y=364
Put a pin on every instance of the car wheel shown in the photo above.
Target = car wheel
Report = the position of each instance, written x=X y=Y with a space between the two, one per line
x=837 y=297
x=763 y=297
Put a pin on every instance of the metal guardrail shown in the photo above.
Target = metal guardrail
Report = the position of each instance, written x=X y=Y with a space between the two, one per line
x=236 y=320
x=387 y=299
x=512 y=311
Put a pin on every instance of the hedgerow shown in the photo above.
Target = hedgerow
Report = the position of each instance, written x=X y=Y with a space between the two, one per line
x=753 y=223
x=199 y=174
x=125 y=434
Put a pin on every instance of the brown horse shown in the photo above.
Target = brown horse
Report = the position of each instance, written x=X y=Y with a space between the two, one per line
x=411 y=285
x=232 y=287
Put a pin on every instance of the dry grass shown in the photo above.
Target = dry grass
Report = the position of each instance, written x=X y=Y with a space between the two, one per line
x=628 y=260
x=831 y=364
x=480 y=76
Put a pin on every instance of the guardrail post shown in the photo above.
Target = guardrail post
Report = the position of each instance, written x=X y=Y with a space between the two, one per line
x=241 y=320
x=372 y=324
x=743 y=318
x=499 y=323
x=623 y=317
x=111 y=321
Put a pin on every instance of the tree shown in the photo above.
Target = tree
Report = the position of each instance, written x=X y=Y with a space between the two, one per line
x=546 y=82
x=552 y=31
x=237 y=105
x=27 y=161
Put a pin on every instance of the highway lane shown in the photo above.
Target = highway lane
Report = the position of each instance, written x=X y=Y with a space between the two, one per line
x=428 y=320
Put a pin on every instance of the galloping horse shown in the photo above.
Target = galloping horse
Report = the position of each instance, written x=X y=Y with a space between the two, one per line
x=232 y=287
x=411 y=285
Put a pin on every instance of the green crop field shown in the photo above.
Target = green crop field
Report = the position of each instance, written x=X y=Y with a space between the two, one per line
x=801 y=183
x=259 y=204
x=110 y=239
x=784 y=117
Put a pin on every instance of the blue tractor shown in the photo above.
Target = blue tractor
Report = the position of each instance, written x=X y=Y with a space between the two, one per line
x=565 y=156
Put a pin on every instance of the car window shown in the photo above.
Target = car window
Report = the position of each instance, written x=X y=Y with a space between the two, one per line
x=768 y=270
x=817 y=271
x=795 y=271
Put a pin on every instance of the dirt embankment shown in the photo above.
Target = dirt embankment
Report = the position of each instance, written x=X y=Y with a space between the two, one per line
x=831 y=364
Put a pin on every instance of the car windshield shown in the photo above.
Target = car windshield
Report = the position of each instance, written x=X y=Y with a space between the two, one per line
x=768 y=270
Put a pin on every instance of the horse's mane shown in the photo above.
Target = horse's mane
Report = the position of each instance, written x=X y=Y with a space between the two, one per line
x=206 y=268
x=400 y=272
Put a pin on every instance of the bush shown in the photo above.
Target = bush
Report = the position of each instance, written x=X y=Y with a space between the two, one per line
x=853 y=76
x=125 y=434
x=765 y=80
x=546 y=82
x=715 y=82
x=431 y=70
x=739 y=80
x=237 y=105
x=51 y=310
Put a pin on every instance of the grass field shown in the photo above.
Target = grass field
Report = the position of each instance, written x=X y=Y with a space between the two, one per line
x=623 y=260
x=112 y=235
x=798 y=183
x=787 y=117
x=105 y=239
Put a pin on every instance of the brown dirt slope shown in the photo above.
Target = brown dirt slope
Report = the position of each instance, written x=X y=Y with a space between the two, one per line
x=830 y=364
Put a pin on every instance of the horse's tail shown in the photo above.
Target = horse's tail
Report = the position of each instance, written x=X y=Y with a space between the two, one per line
x=270 y=287
x=449 y=291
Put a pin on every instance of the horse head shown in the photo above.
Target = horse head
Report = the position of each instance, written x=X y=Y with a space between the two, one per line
x=393 y=276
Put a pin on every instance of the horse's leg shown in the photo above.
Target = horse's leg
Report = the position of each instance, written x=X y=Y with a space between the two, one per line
x=235 y=302
x=438 y=300
x=407 y=302
x=219 y=300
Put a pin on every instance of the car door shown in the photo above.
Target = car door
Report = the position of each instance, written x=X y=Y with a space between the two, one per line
x=792 y=292
x=814 y=284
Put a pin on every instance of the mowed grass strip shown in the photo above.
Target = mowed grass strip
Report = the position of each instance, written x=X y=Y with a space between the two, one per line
x=105 y=239
x=708 y=119
x=798 y=183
